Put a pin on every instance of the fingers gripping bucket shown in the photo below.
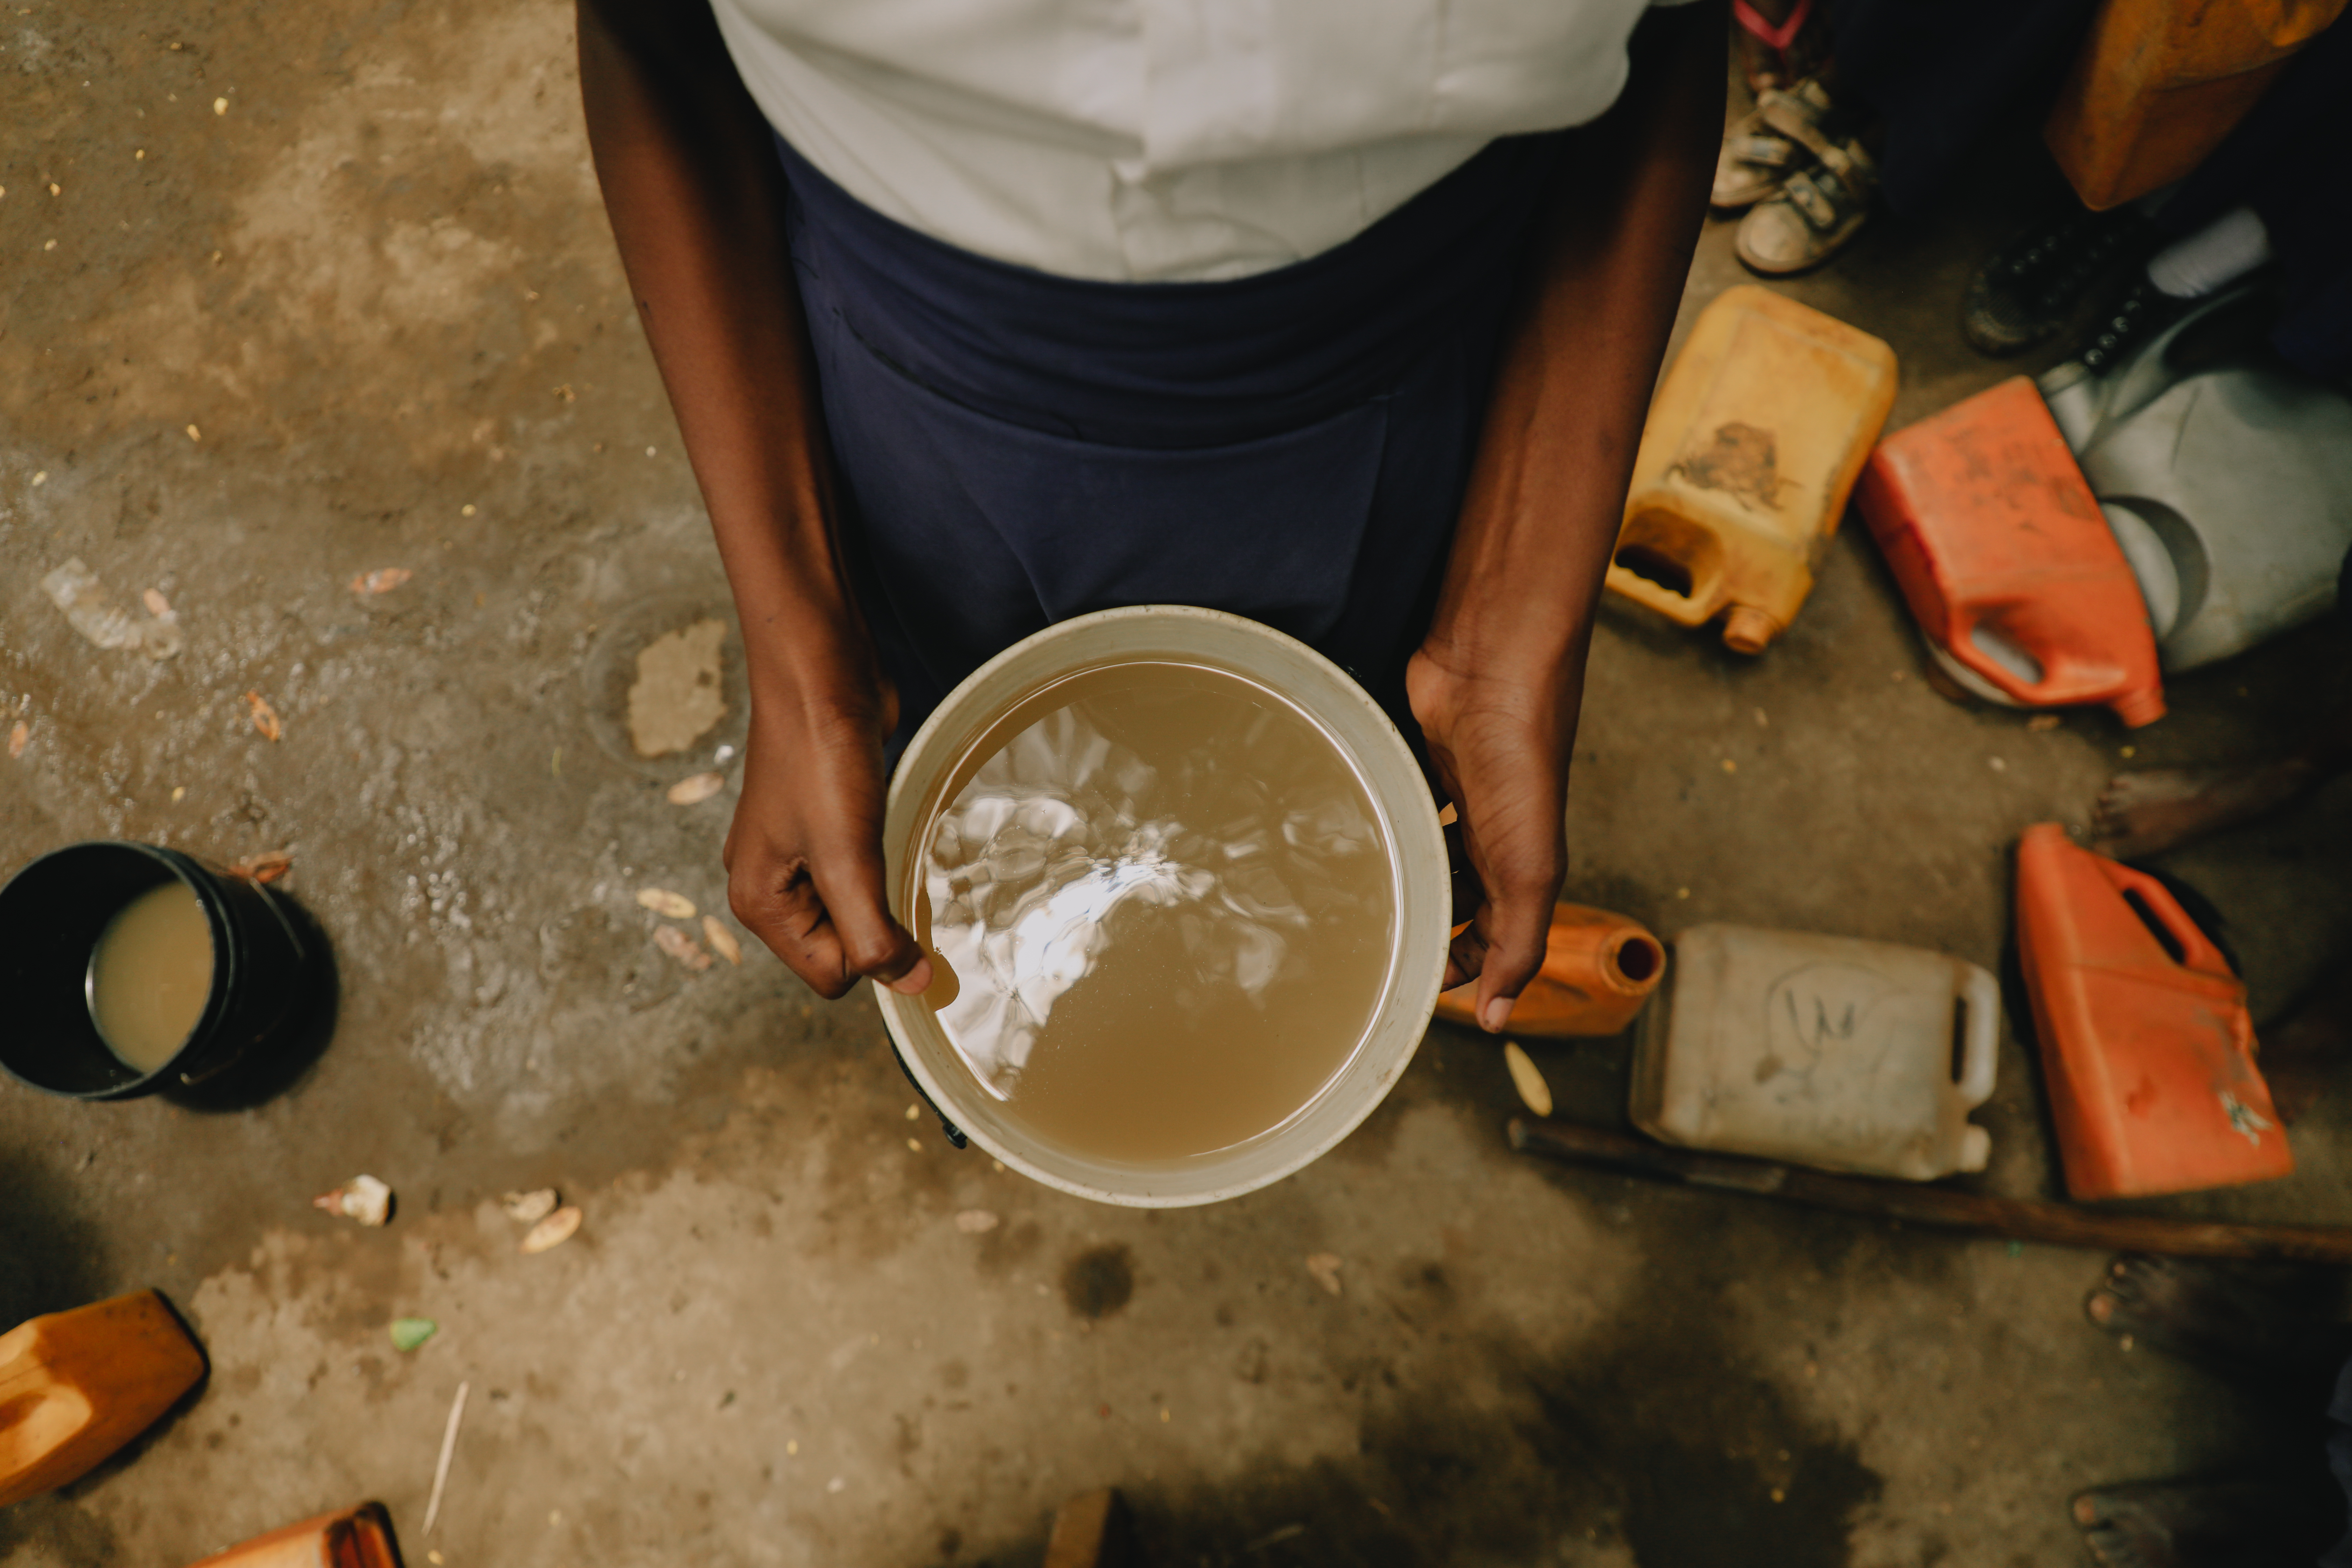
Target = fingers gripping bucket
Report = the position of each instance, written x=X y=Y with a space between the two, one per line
x=52 y=914
x=1406 y=818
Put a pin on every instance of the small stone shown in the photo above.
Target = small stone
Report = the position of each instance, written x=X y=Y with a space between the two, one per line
x=662 y=901
x=553 y=1231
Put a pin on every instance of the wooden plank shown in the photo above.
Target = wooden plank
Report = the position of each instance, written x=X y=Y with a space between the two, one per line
x=1090 y=1530
x=1947 y=1208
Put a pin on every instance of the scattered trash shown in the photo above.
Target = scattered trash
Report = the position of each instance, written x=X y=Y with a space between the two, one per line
x=722 y=940
x=407 y=1334
x=662 y=901
x=75 y=589
x=363 y=1198
x=1325 y=1267
x=383 y=580
x=441 y=1466
x=696 y=789
x=18 y=734
x=530 y=1208
x=554 y=1230
x=262 y=866
x=682 y=947
x=157 y=605
x=1526 y=1079
x=976 y=1222
x=265 y=717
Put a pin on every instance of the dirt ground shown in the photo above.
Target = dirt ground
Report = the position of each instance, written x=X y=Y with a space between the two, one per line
x=293 y=294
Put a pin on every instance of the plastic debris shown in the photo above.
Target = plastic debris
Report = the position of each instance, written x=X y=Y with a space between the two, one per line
x=441 y=1466
x=1526 y=1080
x=75 y=589
x=264 y=866
x=530 y=1208
x=1325 y=1267
x=662 y=901
x=407 y=1334
x=722 y=940
x=554 y=1230
x=383 y=580
x=697 y=788
x=682 y=947
x=363 y=1198
x=265 y=717
x=976 y=1222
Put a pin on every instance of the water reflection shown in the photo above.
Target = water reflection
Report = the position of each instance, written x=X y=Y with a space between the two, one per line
x=1242 y=853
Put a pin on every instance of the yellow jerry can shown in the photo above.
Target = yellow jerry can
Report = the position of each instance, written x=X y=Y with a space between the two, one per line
x=1753 y=443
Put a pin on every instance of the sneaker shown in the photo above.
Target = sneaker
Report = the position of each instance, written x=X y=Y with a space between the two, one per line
x=2143 y=311
x=2034 y=285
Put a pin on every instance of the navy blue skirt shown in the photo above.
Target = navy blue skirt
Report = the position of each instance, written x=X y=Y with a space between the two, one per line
x=1013 y=448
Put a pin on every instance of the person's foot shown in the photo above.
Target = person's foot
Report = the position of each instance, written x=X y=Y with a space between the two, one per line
x=2207 y=1524
x=2274 y=1332
x=2147 y=812
x=2138 y=314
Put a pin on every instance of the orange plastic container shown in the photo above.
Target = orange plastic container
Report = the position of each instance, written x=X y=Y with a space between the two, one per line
x=2145 y=1041
x=356 y=1538
x=76 y=1386
x=2002 y=551
x=1598 y=970
x=1751 y=450
x=2158 y=84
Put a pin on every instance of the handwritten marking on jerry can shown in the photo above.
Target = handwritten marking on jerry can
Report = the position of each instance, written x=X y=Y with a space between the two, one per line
x=1752 y=445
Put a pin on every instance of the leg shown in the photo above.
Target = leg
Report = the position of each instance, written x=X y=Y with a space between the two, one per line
x=2276 y=1333
x=2149 y=813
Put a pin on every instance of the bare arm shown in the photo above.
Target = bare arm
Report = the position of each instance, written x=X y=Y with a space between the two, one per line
x=695 y=195
x=1499 y=680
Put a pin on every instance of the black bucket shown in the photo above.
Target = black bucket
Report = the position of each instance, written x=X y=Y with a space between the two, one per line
x=266 y=968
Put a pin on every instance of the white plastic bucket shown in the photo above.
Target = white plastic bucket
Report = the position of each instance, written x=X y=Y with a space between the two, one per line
x=1408 y=825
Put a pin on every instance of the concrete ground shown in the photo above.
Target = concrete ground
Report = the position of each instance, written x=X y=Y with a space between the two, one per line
x=298 y=293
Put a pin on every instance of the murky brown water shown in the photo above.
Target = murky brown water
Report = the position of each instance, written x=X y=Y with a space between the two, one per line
x=1168 y=910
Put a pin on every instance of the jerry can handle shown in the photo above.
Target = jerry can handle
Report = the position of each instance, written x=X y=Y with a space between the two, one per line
x=2196 y=949
x=1980 y=1041
x=2064 y=676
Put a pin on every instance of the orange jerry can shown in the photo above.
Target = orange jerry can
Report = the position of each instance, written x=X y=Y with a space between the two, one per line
x=2145 y=1041
x=2158 y=84
x=1752 y=447
x=1598 y=970
x=76 y=1386
x=2006 y=560
x=356 y=1538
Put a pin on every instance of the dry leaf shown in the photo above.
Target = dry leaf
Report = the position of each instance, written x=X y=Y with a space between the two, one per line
x=975 y=1222
x=17 y=735
x=662 y=901
x=553 y=1231
x=264 y=866
x=157 y=605
x=530 y=1208
x=1325 y=1267
x=722 y=940
x=265 y=717
x=695 y=790
x=1524 y=1077
x=363 y=1198
x=682 y=947
x=383 y=580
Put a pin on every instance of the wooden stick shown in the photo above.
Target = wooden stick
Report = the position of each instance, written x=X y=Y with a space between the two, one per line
x=2058 y=1224
x=448 y=1446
